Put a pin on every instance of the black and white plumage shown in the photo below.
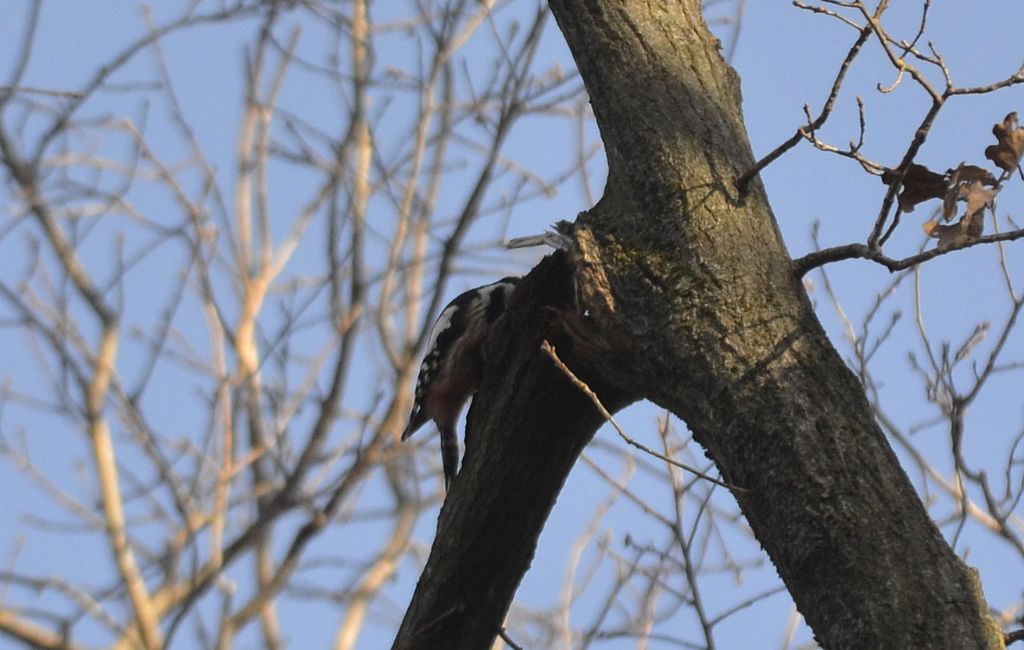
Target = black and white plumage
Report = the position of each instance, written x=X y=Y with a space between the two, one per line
x=453 y=366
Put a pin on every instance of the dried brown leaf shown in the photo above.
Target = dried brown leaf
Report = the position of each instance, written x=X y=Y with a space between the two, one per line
x=919 y=184
x=1007 y=153
x=975 y=225
x=967 y=230
x=978 y=198
x=949 y=208
x=967 y=173
x=967 y=183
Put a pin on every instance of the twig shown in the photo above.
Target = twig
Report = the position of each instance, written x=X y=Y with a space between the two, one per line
x=743 y=604
x=549 y=350
x=14 y=90
x=909 y=47
x=1012 y=80
x=863 y=251
x=853 y=152
x=8 y=91
x=62 y=118
x=1016 y=635
x=908 y=158
x=827 y=12
x=743 y=182
x=896 y=60
x=512 y=644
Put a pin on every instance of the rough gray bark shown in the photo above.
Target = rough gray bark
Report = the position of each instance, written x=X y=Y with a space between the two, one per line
x=690 y=286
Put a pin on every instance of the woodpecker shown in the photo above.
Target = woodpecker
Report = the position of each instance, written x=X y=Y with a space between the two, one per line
x=453 y=366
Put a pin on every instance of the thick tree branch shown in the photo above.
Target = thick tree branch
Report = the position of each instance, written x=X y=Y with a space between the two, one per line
x=695 y=282
x=524 y=432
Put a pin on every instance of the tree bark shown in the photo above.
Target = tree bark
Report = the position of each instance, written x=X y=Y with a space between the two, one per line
x=689 y=287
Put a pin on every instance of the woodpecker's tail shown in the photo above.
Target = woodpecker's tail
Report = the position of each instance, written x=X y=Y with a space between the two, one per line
x=449 y=452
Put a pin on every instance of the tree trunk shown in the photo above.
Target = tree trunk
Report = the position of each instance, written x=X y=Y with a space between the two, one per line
x=690 y=289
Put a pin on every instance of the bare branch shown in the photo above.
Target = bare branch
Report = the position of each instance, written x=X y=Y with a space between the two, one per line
x=807 y=131
x=861 y=251
x=550 y=351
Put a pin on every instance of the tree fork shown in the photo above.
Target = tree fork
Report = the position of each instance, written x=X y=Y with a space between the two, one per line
x=690 y=280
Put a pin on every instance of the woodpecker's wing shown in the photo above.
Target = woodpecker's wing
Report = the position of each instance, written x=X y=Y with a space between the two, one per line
x=424 y=381
x=449 y=325
x=417 y=419
x=456 y=334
